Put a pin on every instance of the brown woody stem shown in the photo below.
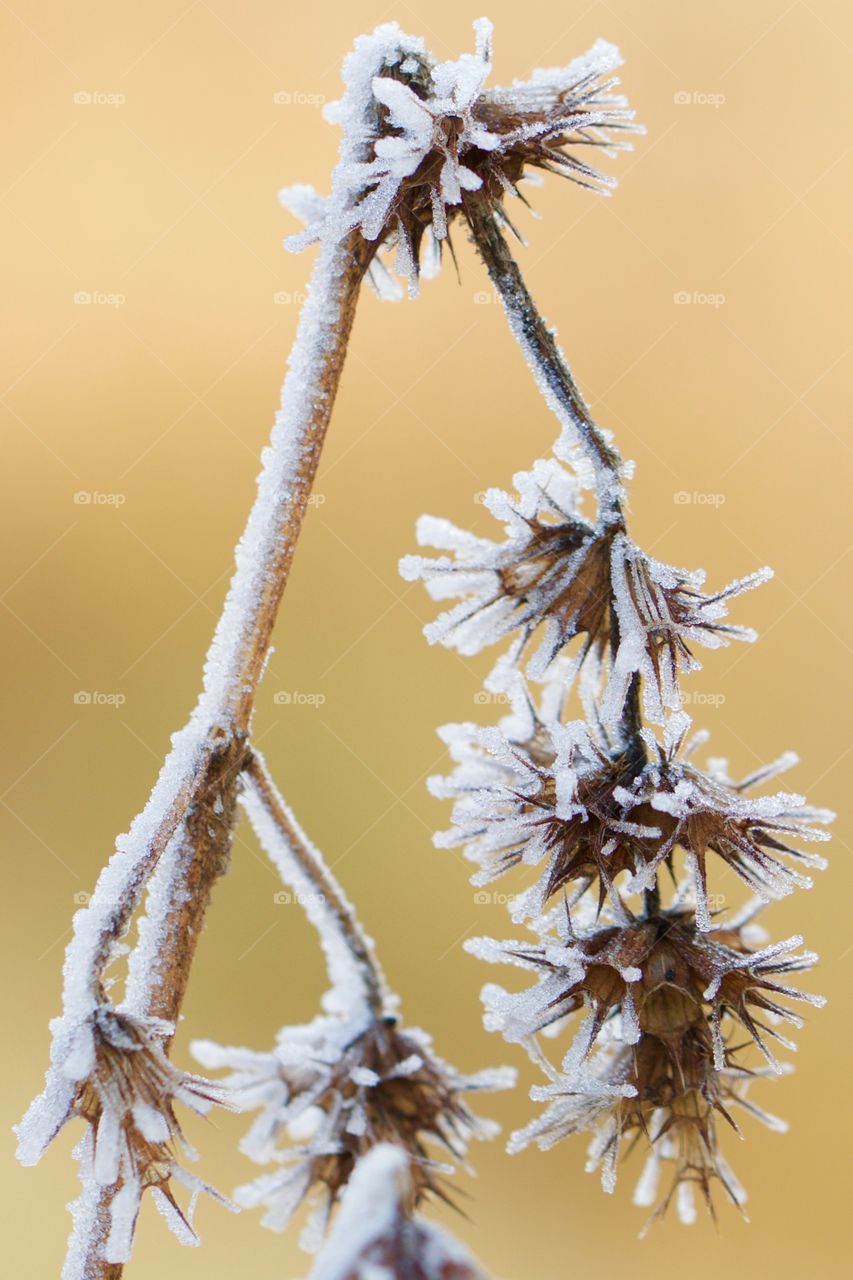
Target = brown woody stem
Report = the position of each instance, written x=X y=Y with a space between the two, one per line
x=539 y=344
x=195 y=825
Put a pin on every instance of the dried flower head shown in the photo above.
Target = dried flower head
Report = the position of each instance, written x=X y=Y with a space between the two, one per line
x=548 y=797
x=556 y=571
x=440 y=134
x=552 y=567
x=334 y=1089
x=660 y=976
x=116 y=1076
x=660 y=611
x=632 y=1095
x=660 y=1054
x=537 y=790
x=377 y=1235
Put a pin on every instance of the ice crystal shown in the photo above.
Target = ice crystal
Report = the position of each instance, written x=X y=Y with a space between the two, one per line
x=705 y=811
x=660 y=975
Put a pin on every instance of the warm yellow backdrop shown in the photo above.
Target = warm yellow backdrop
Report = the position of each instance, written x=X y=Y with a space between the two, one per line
x=144 y=148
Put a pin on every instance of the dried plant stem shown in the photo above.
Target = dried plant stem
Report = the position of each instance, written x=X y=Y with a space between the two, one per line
x=91 y=1229
x=561 y=391
x=310 y=867
x=191 y=826
x=540 y=346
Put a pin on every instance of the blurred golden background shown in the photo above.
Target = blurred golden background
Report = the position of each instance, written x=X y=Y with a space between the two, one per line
x=149 y=308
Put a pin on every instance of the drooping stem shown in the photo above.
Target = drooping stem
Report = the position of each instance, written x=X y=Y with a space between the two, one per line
x=539 y=345
x=349 y=952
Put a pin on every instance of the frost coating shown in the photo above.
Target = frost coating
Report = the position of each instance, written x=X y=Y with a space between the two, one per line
x=375 y=1237
x=355 y=981
x=116 y=1076
x=535 y=790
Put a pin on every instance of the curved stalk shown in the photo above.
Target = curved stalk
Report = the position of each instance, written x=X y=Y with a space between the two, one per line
x=299 y=861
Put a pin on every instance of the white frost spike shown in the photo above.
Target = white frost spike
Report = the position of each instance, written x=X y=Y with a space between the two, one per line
x=180 y=1226
x=310 y=207
x=686 y=1203
x=125 y=1210
x=661 y=611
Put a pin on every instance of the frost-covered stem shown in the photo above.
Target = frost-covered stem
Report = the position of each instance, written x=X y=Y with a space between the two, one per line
x=541 y=349
x=264 y=557
x=631 y=719
x=91 y=1227
x=308 y=865
x=188 y=820
x=315 y=370
x=190 y=779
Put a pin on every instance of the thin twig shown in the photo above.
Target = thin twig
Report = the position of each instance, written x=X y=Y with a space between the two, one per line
x=310 y=866
x=193 y=834
x=540 y=347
